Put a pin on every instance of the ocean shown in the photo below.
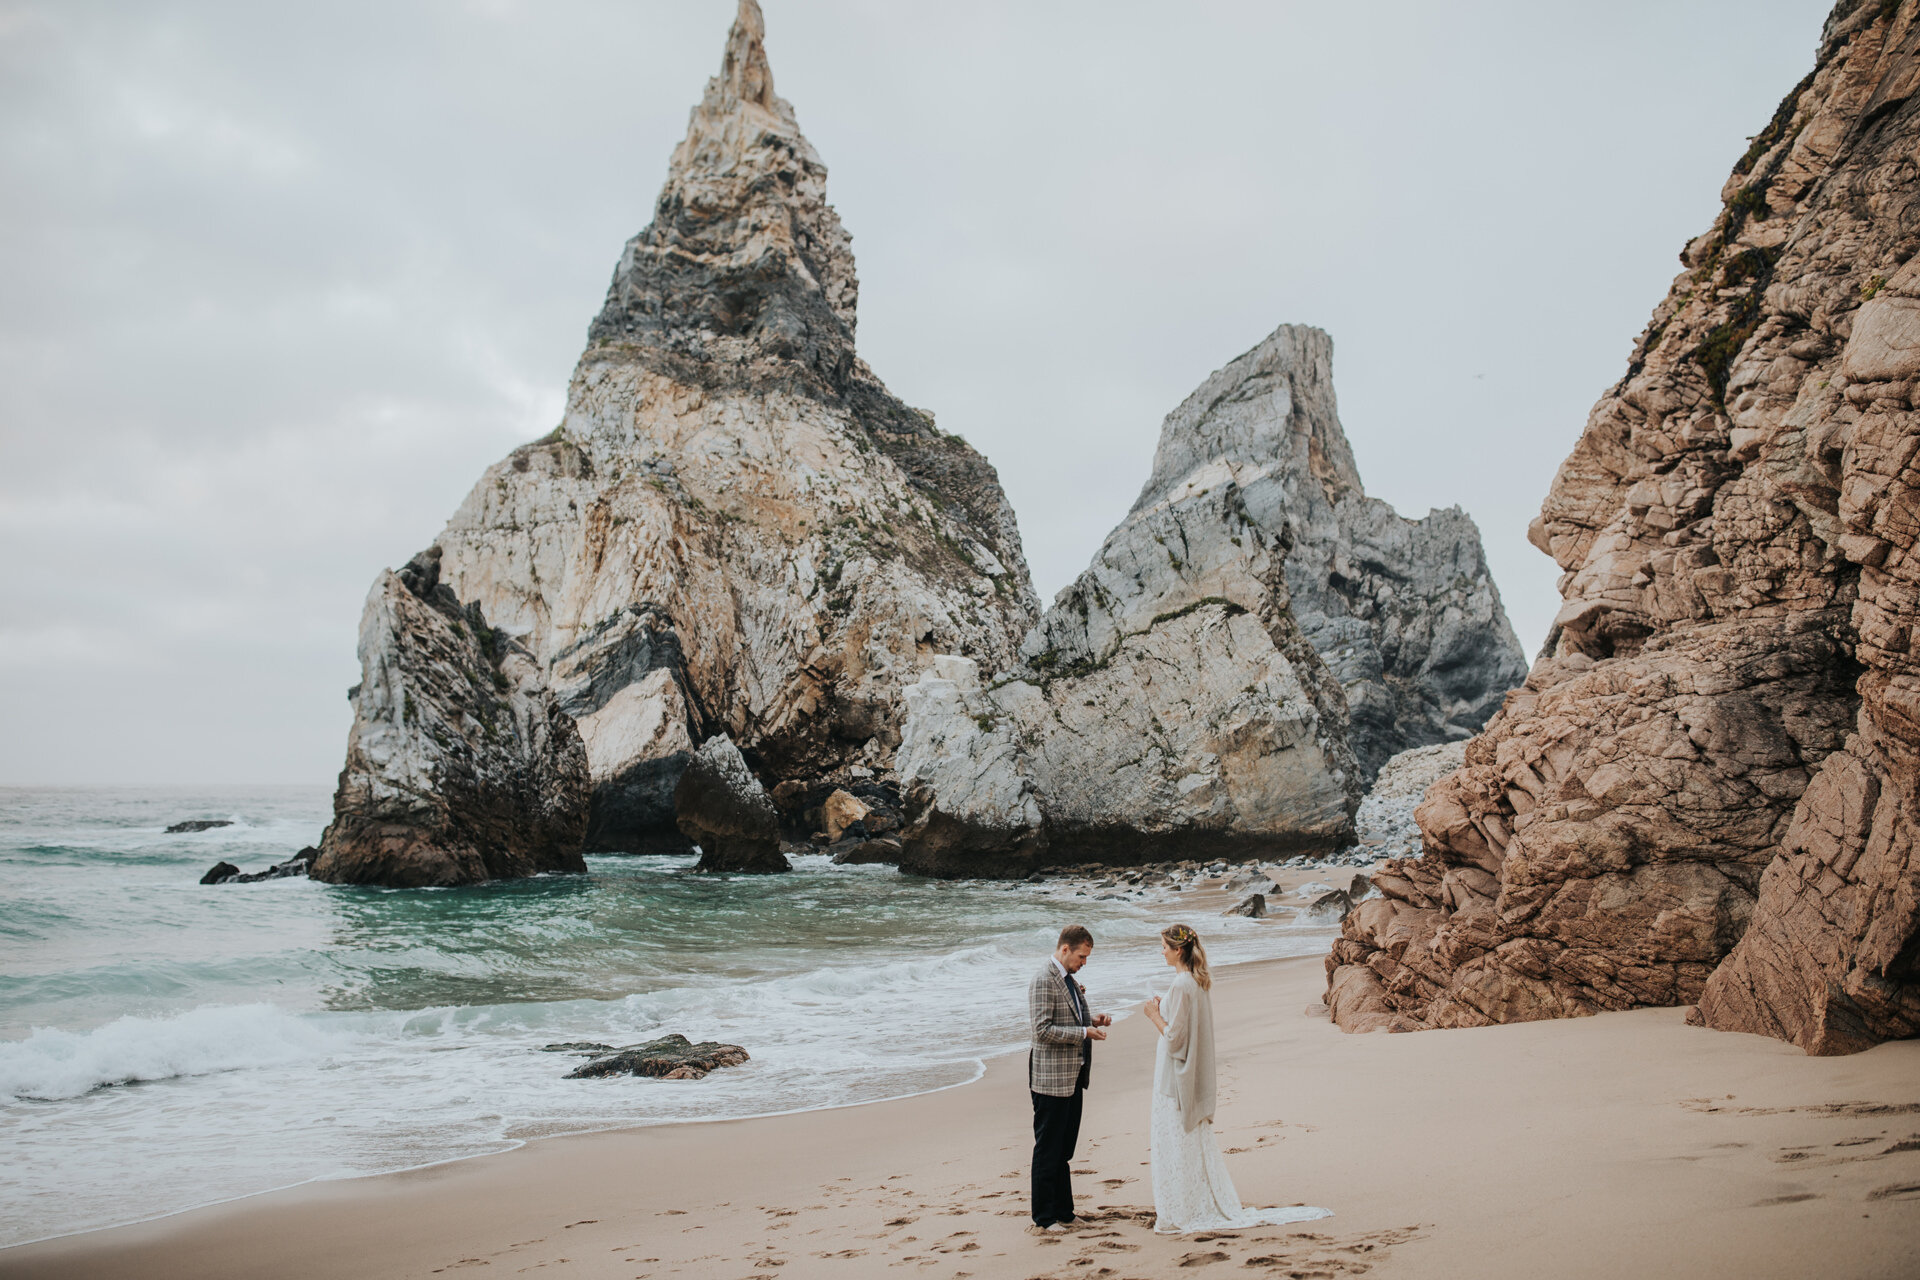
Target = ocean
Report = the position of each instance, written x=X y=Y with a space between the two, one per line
x=165 y=1044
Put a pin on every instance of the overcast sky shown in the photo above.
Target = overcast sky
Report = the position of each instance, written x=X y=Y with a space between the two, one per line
x=281 y=279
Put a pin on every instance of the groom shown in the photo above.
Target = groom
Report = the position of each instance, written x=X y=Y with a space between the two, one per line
x=1057 y=1069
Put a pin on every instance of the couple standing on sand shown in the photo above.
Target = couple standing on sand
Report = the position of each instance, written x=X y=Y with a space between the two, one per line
x=1191 y=1189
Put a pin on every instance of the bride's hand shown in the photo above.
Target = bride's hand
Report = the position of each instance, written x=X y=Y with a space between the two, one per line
x=1152 y=1007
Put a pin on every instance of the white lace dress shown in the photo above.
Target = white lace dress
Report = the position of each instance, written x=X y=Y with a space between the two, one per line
x=1191 y=1188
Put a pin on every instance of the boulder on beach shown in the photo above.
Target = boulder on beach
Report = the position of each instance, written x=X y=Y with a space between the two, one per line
x=841 y=811
x=1254 y=905
x=721 y=806
x=671 y=1057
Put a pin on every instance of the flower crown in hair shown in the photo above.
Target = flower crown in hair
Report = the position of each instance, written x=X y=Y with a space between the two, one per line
x=1181 y=934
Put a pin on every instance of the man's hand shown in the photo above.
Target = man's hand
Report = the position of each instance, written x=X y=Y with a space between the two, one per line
x=1102 y=1020
x=1095 y=1033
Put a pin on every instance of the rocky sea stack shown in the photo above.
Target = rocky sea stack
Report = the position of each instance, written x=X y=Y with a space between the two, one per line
x=1247 y=647
x=736 y=528
x=460 y=768
x=1706 y=790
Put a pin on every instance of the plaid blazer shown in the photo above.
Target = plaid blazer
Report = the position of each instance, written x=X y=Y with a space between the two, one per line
x=1062 y=1056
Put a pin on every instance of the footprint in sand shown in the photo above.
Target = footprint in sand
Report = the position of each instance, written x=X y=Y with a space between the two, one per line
x=1898 y=1191
x=1200 y=1259
x=1793 y=1199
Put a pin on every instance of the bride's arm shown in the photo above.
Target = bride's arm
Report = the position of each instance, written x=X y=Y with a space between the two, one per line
x=1178 y=1028
x=1152 y=1009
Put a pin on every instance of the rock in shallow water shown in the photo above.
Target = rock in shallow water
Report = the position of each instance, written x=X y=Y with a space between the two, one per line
x=671 y=1057
x=855 y=852
x=736 y=527
x=460 y=767
x=198 y=824
x=299 y=864
x=722 y=807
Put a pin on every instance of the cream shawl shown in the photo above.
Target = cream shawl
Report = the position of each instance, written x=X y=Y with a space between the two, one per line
x=1189 y=1035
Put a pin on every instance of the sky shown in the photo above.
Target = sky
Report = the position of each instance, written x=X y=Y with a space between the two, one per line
x=278 y=281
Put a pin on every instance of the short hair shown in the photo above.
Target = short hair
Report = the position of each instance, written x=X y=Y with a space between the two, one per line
x=1075 y=935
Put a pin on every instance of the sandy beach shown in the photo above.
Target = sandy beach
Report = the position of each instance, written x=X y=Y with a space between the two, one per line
x=1628 y=1144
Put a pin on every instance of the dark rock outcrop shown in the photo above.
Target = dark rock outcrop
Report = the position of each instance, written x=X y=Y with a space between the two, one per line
x=722 y=807
x=299 y=864
x=878 y=849
x=736 y=528
x=198 y=824
x=461 y=766
x=671 y=1057
x=1704 y=792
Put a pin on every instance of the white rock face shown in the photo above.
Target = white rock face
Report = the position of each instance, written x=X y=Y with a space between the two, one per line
x=1249 y=644
x=965 y=778
x=736 y=528
x=1403 y=611
x=1167 y=707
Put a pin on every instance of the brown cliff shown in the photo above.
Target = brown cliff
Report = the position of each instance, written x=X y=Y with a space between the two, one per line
x=1705 y=790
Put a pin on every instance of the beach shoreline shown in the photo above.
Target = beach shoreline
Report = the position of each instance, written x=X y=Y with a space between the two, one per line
x=1623 y=1144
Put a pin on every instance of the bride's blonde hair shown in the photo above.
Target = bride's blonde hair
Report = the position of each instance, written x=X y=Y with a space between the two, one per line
x=1193 y=956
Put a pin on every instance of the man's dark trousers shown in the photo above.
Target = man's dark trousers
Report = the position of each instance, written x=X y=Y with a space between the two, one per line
x=1056 y=1128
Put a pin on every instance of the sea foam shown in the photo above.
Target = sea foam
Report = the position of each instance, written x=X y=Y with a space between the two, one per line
x=51 y=1064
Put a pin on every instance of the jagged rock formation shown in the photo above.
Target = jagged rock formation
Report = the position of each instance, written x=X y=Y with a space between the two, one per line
x=736 y=528
x=721 y=807
x=1704 y=790
x=460 y=766
x=1178 y=698
x=1404 y=612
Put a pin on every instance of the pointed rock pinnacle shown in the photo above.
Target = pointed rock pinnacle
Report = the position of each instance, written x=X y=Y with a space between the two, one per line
x=745 y=269
x=745 y=74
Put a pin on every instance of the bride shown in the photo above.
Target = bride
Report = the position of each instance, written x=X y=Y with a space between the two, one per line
x=1191 y=1189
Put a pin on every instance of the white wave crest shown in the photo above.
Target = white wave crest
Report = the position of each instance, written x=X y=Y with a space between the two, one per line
x=52 y=1064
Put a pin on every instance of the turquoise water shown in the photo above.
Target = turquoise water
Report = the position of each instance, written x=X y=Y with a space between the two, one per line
x=165 y=1044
